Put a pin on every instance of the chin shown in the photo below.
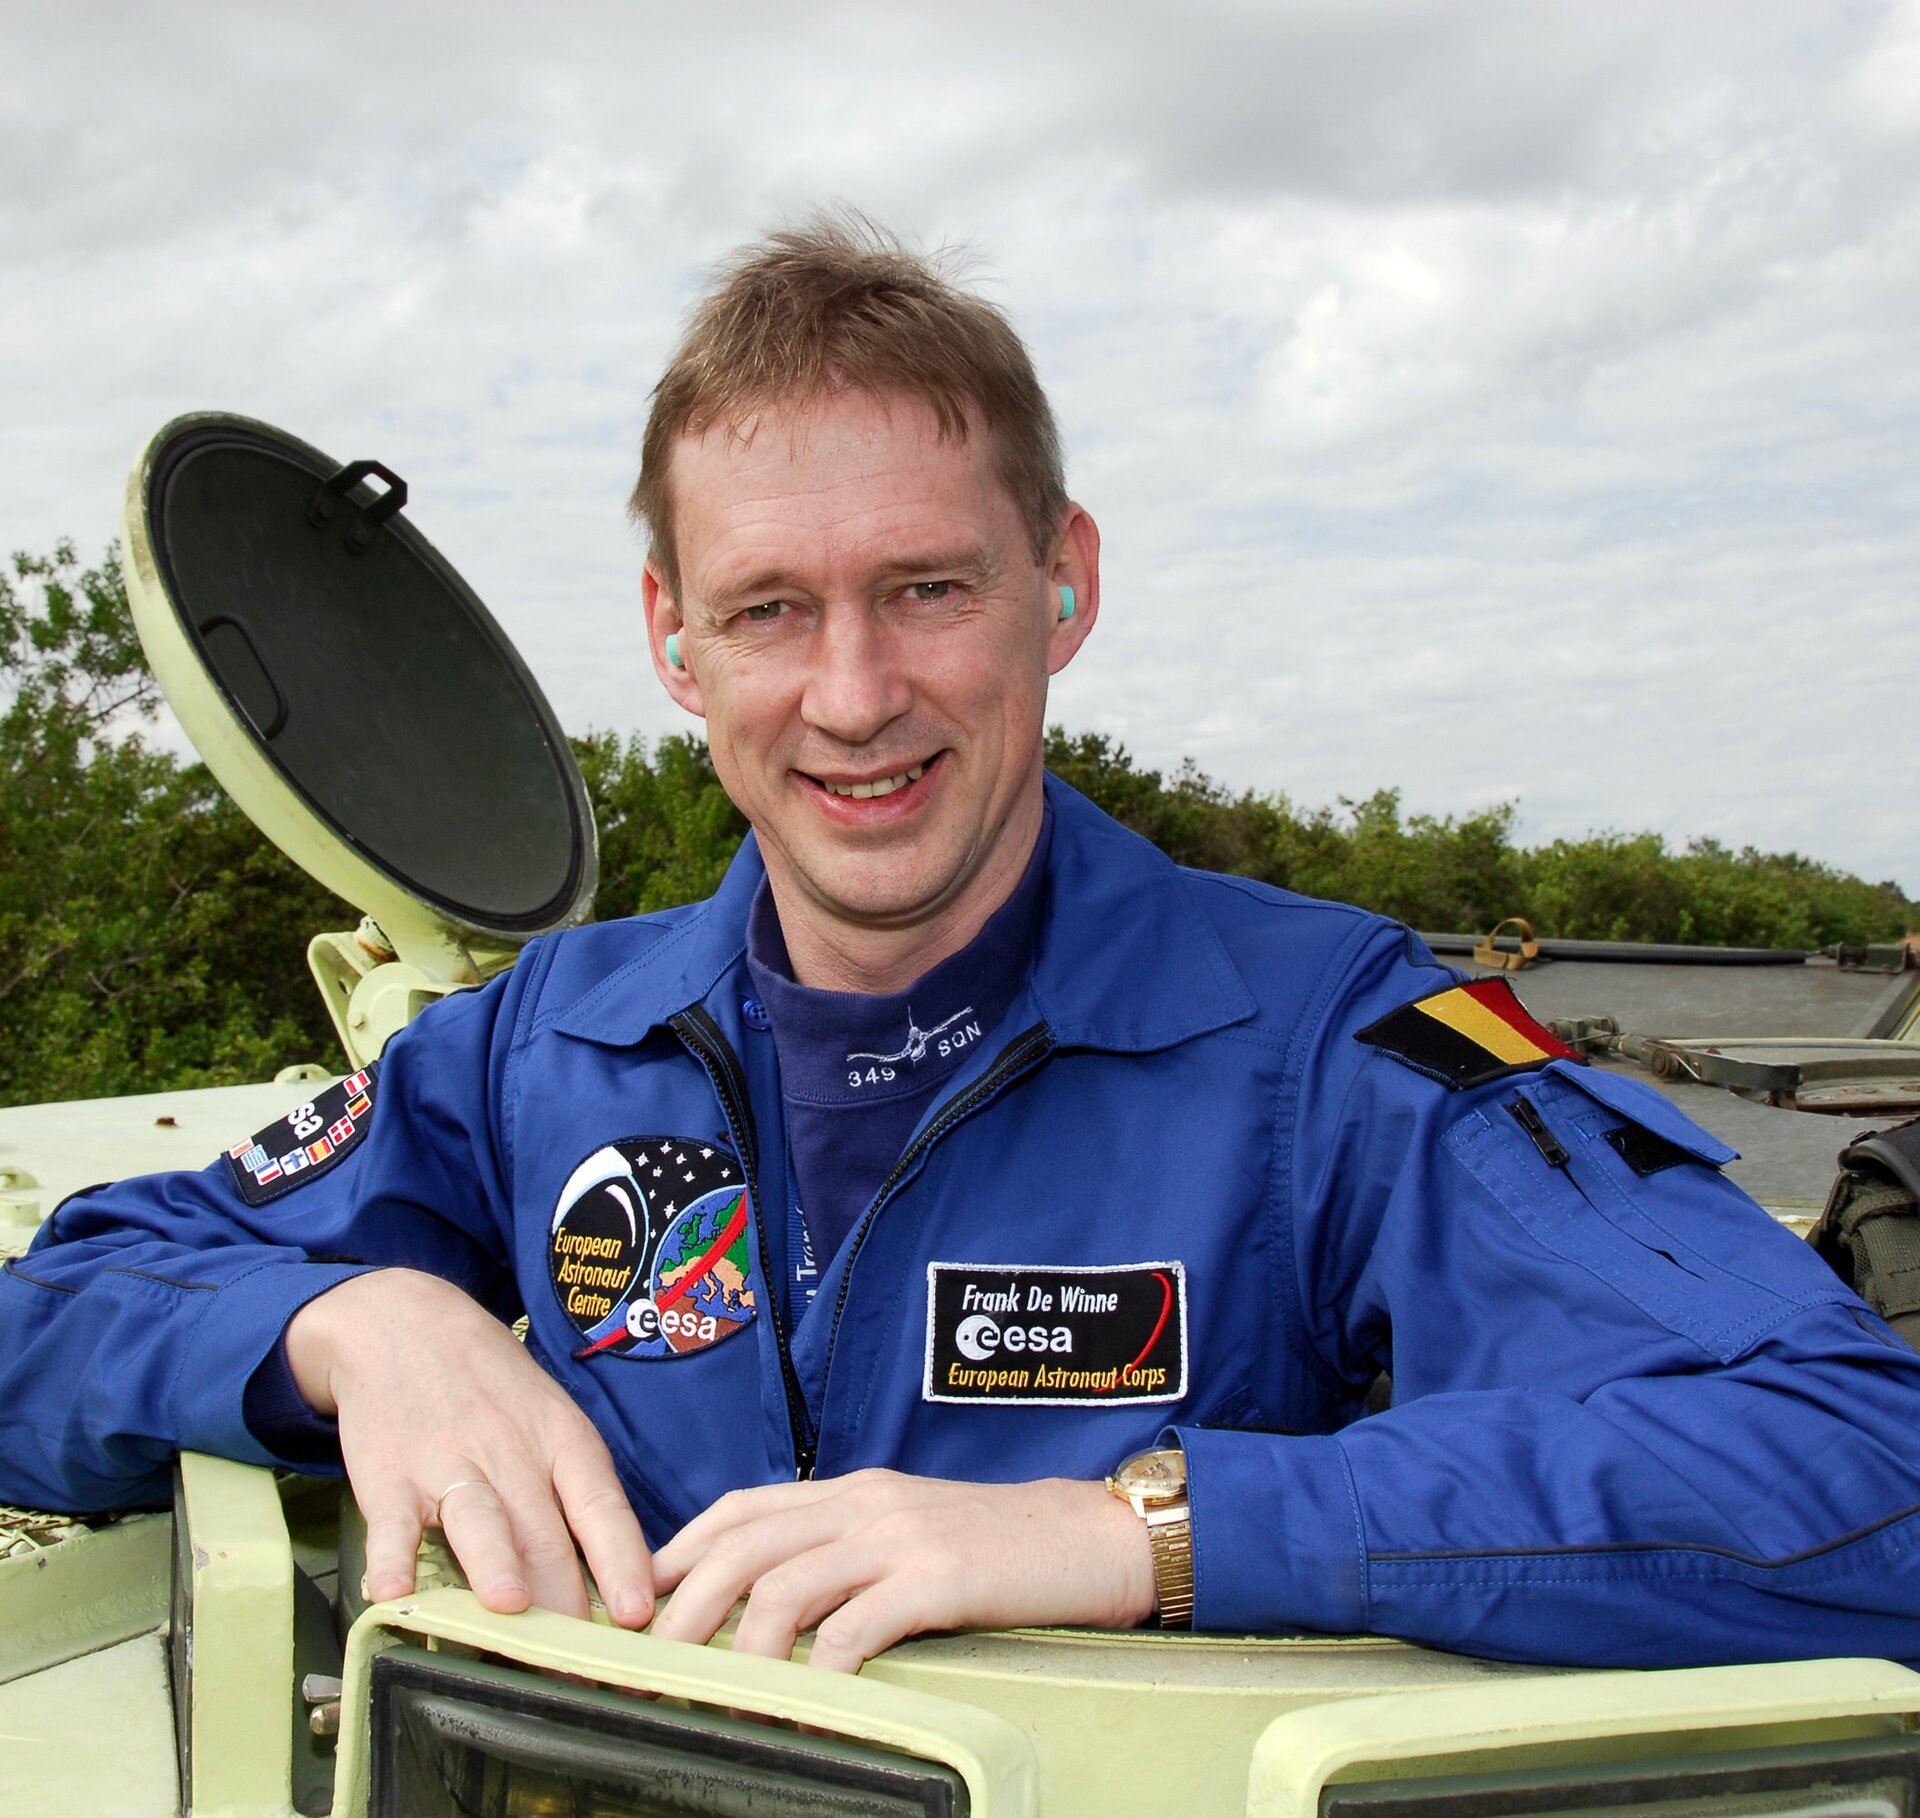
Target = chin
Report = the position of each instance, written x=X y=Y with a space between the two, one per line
x=896 y=905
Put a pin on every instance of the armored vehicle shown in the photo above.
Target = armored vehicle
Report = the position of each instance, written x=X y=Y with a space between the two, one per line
x=221 y=1656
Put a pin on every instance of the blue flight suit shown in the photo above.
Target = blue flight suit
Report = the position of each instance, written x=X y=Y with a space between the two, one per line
x=1186 y=1186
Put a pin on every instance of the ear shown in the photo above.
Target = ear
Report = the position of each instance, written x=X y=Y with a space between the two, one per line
x=663 y=616
x=1075 y=564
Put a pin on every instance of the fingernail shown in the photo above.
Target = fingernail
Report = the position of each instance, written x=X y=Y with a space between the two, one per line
x=632 y=1609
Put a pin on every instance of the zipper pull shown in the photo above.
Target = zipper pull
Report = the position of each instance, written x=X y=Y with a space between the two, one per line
x=1552 y=1151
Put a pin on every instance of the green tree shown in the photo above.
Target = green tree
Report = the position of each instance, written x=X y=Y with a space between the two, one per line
x=1464 y=874
x=667 y=829
x=148 y=936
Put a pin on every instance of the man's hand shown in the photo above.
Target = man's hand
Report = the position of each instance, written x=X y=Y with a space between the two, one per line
x=432 y=1391
x=874 y=1557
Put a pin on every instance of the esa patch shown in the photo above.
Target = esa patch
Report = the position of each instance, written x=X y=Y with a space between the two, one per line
x=305 y=1143
x=1085 y=1338
x=1466 y=1035
x=649 y=1248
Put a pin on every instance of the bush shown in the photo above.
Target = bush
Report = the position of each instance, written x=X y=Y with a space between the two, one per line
x=1463 y=875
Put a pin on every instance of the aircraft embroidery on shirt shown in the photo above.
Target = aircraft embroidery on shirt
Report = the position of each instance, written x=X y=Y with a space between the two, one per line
x=917 y=1040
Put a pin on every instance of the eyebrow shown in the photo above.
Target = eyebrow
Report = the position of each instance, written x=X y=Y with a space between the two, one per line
x=772 y=583
x=968 y=559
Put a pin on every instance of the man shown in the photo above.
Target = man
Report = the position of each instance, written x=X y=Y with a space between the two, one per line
x=869 y=1214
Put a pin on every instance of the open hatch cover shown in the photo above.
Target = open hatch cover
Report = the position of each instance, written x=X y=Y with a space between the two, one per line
x=348 y=688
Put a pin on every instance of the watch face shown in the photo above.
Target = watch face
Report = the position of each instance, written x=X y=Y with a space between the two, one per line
x=1157 y=1476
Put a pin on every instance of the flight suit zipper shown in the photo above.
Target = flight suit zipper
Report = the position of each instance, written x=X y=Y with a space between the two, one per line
x=703 y=1039
x=1552 y=1151
x=1025 y=1051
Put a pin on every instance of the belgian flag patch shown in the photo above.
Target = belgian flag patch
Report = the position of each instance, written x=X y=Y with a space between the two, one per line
x=1466 y=1035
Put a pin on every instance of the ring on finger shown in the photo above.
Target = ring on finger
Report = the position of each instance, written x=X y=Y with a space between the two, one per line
x=465 y=1483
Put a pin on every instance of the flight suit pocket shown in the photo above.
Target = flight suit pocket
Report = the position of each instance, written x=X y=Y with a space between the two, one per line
x=1541 y=1152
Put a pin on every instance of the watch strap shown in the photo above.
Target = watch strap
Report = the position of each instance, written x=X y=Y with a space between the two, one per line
x=1170 y=1538
x=1163 y=1507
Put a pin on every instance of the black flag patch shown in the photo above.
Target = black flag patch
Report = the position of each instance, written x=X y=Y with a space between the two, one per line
x=1466 y=1035
x=304 y=1144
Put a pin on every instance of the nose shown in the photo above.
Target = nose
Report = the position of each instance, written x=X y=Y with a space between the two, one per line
x=857 y=684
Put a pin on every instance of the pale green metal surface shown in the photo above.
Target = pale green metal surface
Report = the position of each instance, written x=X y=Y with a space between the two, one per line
x=1108 y=1714
x=1594 y=1716
x=242 y=1638
x=86 y=1593
x=1102 y=1710
x=92 y=1737
x=370 y=999
x=86 y=1141
x=995 y=1760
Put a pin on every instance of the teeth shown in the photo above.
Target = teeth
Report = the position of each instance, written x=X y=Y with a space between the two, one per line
x=861 y=792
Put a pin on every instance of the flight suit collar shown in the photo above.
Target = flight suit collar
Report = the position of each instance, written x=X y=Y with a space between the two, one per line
x=1127 y=960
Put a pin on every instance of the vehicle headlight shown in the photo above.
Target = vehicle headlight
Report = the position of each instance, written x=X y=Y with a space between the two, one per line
x=461 y=1738
x=1861 y=1779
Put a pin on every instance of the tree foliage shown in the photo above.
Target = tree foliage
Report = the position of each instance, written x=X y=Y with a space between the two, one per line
x=1464 y=874
x=150 y=938
x=667 y=828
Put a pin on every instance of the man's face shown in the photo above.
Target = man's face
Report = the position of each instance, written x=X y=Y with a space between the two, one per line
x=868 y=636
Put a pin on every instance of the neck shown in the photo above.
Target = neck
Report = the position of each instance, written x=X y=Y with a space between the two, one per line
x=830 y=953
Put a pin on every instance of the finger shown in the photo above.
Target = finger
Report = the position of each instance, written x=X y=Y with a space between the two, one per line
x=889 y=1610
x=802 y=1592
x=546 y=1554
x=393 y=1543
x=741 y=1508
x=602 y=1519
x=734 y=1563
x=478 y=1530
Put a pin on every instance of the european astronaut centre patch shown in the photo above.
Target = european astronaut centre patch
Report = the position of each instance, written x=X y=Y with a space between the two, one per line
x=1079 y=1337
x=648 y=1250
x=305 y=1143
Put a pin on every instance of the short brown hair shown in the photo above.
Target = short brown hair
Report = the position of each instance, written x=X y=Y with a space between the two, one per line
x=839 y=304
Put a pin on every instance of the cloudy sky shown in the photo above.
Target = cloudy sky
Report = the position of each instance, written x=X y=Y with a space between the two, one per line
x=1503 y=400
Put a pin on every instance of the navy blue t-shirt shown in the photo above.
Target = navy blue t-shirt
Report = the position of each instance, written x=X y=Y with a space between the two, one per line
x=858 y=1072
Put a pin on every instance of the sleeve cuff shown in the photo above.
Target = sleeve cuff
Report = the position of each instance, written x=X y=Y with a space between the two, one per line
x=1277 y=1541
x=277 y=1415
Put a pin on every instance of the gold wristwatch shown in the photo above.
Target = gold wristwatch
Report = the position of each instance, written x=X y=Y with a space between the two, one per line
x=1155 y=1484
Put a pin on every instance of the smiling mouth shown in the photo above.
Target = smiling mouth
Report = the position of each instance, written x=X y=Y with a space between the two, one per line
x=886 y=785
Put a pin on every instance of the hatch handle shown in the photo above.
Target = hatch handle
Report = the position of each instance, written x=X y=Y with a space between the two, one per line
x=373 y=514
x=277 y=720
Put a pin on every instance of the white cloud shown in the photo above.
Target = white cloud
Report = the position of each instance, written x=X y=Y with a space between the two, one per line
x=1517 y=399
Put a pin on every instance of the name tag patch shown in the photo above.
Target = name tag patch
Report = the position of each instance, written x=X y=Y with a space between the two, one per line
x=648 y=1249
x=1077 y=1337
x=305 y=1143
